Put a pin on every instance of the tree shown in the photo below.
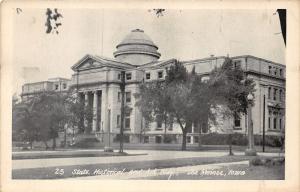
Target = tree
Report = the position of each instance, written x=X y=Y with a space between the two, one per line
x=155 y=103
x=188 y=98
x=191 y=101
x=41 y=117
x=24 y=127
x=52 y=115
x=174 y=98
x=231 y=88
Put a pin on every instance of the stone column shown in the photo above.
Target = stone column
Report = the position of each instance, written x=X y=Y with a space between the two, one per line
x=95 y=111
x=104 y=109
x=86 y=102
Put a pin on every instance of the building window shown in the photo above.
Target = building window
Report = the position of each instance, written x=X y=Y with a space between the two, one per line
x=280 y=95
x=196 y=139
x=269 y=93
x=128 y=76
x=56 y=87
x=158 y=139
x=275 y=71
x=158 y=122
x=188 y=139
x=146 y=139
x=237 y=64
x=275 y=94
x=64 y=85
x=237 y=122
x=270 y=69
x=280 y=124
x=148 y=75
x=119 y=96
x=274 y=123
x=127 y=121
x=160 y=74
x=118 y=121
x=269 y=122
x=119 y=76
x=128 y=97
x=280 y=72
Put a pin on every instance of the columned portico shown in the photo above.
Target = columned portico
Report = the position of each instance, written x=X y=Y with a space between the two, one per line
x=92 y=99
x=86 y=102
x=95 y=111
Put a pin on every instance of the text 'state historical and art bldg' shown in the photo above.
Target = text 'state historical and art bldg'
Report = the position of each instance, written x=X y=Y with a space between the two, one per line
x=98 y=81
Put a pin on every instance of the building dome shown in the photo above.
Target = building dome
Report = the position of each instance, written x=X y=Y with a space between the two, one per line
x=137 y=49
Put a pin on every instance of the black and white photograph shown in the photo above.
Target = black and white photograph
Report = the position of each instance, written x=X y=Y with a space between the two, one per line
x=102 y=93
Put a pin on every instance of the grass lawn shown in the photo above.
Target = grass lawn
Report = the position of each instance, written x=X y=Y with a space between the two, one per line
x=232 y=172
x=51 y=172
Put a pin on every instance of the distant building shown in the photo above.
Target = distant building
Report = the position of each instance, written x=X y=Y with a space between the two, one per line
x=98 y=79
x=51 y=85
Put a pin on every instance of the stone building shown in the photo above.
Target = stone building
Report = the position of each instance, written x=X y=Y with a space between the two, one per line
x=98 y=80
x=58 y=84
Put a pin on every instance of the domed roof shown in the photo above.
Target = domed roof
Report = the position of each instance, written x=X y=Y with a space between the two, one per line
x=137 y=48
x=137 y=36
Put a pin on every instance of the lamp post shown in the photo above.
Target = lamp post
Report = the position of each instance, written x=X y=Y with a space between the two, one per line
x=250 y=151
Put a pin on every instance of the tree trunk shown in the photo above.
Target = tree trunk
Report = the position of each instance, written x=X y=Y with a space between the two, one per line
x=184 y=132
x=31 y=142
x=230 y=143
x=54 y=143
x=46 y=144
x=199 y=139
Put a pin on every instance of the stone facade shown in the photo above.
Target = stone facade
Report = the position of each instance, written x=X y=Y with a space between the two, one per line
x=58 y=84
x=98 y=81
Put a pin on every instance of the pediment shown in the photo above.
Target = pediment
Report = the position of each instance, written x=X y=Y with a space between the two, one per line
x=88 y=62
x=92 y=62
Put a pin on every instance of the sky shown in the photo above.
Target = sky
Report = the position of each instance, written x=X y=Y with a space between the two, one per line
x=182 y=34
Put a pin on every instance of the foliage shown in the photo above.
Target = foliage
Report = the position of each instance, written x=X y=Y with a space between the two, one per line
x=77 y=111
x=184 y=96
x=41 y=117
x=240 y=139
x=153 y=102
x=24 y=127
x=231 y=87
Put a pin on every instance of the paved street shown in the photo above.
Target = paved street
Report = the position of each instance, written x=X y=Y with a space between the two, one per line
x=145 y=155
x=151 y=155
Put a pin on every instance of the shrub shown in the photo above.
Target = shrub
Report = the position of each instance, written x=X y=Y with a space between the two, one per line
x=222 y=139
x=270 y=140
x=256 y=161
x=214 y=139
x=240 y=139
x=168 y=138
